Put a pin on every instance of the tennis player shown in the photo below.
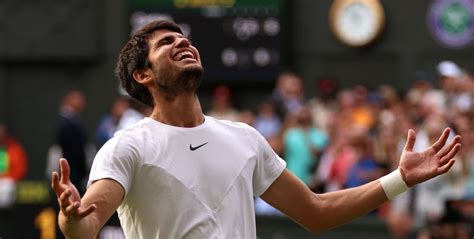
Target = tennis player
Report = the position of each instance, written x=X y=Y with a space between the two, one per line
x=182 y=174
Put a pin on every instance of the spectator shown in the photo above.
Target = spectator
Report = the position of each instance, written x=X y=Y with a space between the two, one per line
x=338 y=160
x=71 y=136
x=222 y=104
x=303 y=146
x=456 y=86
x=135 y=112
x=248 y=117
x=288 y=93
x=108 y=124
x=366 y=167
x=464 y=126
x=323 y=106
x=267 y=122
x=362 y=114
x=424 y=204
x=13 y=159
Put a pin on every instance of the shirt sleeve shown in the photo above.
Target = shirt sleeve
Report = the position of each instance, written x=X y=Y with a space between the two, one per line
x=268 y=167
x=116 y=160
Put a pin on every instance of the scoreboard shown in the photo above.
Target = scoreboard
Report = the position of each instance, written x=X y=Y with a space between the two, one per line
x=238 y=39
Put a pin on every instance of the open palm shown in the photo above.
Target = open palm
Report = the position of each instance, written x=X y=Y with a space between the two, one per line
x=69 y=198
x=417 y=167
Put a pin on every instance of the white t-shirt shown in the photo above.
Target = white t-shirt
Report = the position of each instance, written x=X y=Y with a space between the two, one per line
x=188 y=182
x=129 y=118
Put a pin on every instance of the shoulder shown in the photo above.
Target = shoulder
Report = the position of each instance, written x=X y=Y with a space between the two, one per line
x=131 y=134
x=237 y=127
x=246 y=133
x=129 y=139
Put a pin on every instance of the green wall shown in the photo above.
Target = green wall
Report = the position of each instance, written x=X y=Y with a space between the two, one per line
x=46 y=50
x=405 y=47
x=76 y=43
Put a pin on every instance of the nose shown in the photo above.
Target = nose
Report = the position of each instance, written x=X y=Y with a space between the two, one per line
x=183 y=42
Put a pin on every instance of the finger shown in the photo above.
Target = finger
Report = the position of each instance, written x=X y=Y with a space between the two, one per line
x=64 y=199
x=65 y=170
x=55 y=183
x=71 y=210
x=450 y=155
x=445 y=168
x=442 y=140
x=411 y=138
x=446 y=150
x=87 y=211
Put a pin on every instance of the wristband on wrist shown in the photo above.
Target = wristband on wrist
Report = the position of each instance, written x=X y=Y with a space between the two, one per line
x=393 y=184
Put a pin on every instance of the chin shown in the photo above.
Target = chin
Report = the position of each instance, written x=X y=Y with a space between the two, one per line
x=191 y=77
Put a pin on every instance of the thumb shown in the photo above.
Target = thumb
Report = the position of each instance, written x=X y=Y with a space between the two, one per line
x=410 y=140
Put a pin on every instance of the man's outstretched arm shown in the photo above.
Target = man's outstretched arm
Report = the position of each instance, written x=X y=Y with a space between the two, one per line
x=319 y=212
x=83 y=218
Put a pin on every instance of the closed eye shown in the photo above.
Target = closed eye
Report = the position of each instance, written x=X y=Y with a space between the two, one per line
x=165 y=41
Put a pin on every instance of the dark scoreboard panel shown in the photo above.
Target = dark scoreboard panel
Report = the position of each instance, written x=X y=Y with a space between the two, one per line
x=238 y=40
x=49 y=30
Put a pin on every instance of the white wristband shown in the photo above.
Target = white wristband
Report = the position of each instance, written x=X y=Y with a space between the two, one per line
x=393 y=184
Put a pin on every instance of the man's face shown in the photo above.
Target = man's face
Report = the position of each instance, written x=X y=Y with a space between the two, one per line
x=176 y=64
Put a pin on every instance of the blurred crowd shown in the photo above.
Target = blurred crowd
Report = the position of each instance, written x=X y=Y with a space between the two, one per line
x=344 y=138
x=340 y=138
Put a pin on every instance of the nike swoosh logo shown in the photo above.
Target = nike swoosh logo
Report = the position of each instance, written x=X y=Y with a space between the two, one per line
x=194 y=148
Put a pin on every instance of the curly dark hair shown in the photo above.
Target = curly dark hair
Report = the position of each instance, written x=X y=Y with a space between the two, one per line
x=134 y=56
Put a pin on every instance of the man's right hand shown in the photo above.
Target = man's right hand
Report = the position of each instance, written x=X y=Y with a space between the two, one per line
x=69 y=198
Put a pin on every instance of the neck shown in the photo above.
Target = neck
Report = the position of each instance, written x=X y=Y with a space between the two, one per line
x=182 y=111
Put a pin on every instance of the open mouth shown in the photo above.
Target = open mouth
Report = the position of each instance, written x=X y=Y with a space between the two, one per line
x=186 y=54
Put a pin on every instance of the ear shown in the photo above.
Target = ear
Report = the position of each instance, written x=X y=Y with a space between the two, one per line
x=143 y=76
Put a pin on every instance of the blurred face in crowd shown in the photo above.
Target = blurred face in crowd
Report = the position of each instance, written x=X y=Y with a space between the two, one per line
x=267 y=109
x=175 y=63
x=221 y=99
x=448 y=83
x=346 y=99
x=119 y=106
x=75 y=100
x=247 y=117
x=435 y=124
x=294 y=87
x=304 y=117
x=290 y=85
x=360 y=94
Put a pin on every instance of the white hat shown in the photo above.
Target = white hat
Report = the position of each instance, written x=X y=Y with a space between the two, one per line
x=449 y=69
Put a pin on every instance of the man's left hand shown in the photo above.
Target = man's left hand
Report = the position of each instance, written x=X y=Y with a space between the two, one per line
x=417 y=167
